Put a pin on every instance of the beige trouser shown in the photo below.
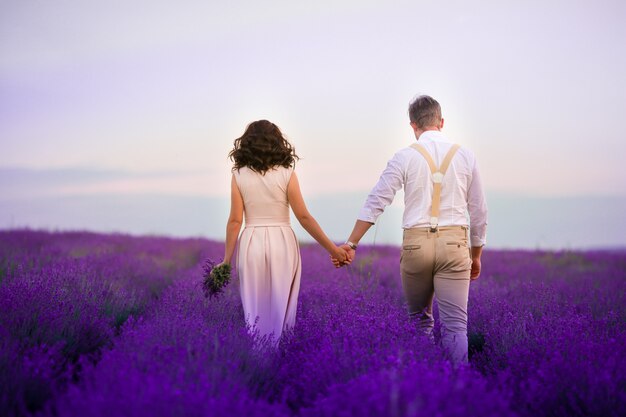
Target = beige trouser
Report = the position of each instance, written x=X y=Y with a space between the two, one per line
x=438 y=264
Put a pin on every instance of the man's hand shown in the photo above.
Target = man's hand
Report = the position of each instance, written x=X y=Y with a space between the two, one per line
x=476 y=252
x=475 y=273
x=351 y=254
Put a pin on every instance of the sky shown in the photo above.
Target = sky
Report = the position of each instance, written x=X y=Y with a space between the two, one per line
x=144 y=98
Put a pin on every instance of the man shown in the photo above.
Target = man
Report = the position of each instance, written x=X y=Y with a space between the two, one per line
x=441 y=185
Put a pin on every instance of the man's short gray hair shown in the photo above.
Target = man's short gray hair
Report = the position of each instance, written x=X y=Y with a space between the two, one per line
x=425 y=111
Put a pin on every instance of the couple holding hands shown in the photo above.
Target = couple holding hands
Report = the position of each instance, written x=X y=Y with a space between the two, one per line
x=440 y=251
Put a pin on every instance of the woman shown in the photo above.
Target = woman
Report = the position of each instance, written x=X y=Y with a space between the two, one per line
x=264 y=186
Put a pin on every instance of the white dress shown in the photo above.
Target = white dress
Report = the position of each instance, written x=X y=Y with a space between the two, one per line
x=268 y=260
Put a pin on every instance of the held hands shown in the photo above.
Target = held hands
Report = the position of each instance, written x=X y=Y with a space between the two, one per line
x=344 y=256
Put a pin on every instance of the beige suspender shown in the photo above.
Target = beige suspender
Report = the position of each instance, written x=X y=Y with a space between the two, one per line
x=437 y=175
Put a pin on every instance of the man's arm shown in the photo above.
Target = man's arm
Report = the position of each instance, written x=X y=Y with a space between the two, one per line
x=477 y=208
x=379 y=198
x=360 y=228
x=390 y=181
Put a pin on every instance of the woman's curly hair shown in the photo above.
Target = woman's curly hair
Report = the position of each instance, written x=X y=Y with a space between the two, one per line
x=262 y=147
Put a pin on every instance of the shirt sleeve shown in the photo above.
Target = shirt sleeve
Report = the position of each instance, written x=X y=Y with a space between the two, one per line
x=477 y=208
x=384 y=191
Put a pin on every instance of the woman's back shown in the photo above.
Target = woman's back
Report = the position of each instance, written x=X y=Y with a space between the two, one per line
x=268 y=258
x=264 y=196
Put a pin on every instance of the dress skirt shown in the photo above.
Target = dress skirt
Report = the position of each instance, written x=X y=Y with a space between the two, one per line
x=269 y=267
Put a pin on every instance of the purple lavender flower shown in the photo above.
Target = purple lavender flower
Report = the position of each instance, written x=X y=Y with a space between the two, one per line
x=105 y=325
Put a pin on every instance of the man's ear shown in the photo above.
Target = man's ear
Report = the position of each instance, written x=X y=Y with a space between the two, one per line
x=441 y=124
x=414 y=126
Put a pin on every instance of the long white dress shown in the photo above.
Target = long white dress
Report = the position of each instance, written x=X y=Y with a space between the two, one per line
x=268 y=260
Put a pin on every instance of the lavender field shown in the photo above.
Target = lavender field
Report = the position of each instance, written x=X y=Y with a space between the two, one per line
x=112 y=325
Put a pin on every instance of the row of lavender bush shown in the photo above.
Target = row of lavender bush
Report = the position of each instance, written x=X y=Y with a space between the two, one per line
x=65 y=296
x=546 y=331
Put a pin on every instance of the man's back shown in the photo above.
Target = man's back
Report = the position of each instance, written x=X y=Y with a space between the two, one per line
x=461 y=188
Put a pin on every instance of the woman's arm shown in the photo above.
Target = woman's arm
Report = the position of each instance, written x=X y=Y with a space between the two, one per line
x=308 y=222
x=234 y=220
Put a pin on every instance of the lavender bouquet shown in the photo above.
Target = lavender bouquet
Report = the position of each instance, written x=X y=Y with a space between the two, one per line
x=216 y=277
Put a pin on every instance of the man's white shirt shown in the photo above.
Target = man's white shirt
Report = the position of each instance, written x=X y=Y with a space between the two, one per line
x=461 y=189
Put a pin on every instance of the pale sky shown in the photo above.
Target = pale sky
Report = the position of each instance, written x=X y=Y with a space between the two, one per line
x=159 y=90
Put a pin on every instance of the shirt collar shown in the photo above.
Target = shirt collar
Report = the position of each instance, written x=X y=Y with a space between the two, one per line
x=432 y=135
